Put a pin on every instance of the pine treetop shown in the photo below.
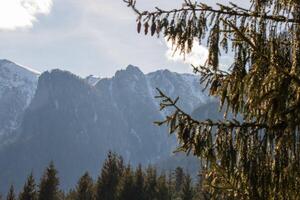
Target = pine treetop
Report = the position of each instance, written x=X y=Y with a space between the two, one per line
x=11 y=194
x=48 y=188
x=29 y=190
x=85 y=188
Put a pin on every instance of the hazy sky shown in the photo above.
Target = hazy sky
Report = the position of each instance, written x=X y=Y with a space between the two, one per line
x=84 y=36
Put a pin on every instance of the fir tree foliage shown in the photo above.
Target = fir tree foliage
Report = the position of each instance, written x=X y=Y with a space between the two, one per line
x=109 y=178
x=71 y=195
x=139 y=183
x=179 y=178
x=126 y=186
x=257 y=157
x=132 y=184
x=85 y=188
x=11 y=193
x=163 y=192
x=171 y=185
x=48 y=188
x=151 y=183
x=29 y=190
x=187 y=191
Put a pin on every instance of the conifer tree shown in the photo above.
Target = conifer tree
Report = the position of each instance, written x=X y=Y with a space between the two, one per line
x=179 y=178
x=126 y=187
x=29 y=190
x=171 y=185
x=139 y=183
x=162 y=188
x=150 y=183
x=108 y=181
x=48 y=188
x=85 y=188
x=187 y=192
x=72 y=195
x=255 y=156
x=11 y=194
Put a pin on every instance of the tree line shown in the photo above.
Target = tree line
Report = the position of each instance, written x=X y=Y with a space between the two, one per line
x=117 y=181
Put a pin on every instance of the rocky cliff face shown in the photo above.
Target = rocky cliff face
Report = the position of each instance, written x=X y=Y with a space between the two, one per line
x=75 y=122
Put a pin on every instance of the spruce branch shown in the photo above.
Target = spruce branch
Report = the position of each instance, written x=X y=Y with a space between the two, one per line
x=166 y=102
x=232 y=10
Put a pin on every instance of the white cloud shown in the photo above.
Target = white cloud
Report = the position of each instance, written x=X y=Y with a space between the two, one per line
x=197 y=56
x=21 y=13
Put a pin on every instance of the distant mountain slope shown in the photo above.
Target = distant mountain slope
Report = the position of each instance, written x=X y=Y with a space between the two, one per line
x=75 y=122
x=67 y=122
x=186 y=86
x=17 y=88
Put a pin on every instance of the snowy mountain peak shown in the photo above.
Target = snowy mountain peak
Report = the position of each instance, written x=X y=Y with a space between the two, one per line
x=17 y=88
x=4 y=63
x=13 y=75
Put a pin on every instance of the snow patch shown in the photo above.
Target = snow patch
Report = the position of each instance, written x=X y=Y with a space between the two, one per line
x=20 y=82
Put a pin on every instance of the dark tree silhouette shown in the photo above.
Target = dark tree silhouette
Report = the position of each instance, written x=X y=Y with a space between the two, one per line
x=151 y=183
x=85 y=188
x=139 y=183
x=48 y=188
x=187 y=191
x=115 y=182
x=126 y=186
x=179 y=178
x=162 y=188
x=29 y=190
x=11 y=193
x=108 y=181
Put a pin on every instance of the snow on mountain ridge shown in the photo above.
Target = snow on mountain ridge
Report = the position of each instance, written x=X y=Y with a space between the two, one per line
x=18 y=66
x=17 y=88
x=13 y=76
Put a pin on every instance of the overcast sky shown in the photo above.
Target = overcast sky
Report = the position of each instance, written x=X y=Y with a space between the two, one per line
x=84 y=36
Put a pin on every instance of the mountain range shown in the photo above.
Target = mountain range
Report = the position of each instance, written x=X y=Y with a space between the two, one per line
x=58 y=116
